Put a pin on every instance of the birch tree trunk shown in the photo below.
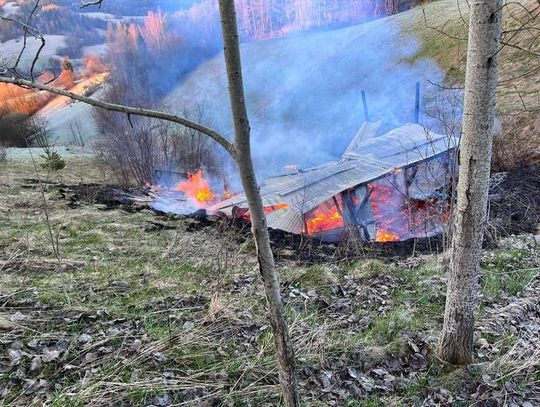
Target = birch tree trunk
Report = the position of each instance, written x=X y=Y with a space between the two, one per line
x=457 y=340
x=282 y=342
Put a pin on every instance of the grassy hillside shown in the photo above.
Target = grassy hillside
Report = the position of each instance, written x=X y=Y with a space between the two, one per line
x=448 y=49
x=147 y=310
x=303 y=91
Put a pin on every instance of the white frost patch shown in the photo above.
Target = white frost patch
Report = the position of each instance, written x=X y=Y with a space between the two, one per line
x=98 y=15
x=10 y=50
x=11 y=7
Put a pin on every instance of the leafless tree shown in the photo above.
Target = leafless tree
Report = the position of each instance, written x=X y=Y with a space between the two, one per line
x=192 y=149
x=240 y=151
x=488 y=37
x=77 y=134
x=282 y=342
x=475 y=158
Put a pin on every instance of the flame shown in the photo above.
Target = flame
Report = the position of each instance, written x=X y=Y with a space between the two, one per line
x=387 y=203
x=268 y=209
x=197 y=188
x=322 y=220
x=384 y=236
x=291 y=167
x=49 y=7
x=244 y=212
x=399 y=217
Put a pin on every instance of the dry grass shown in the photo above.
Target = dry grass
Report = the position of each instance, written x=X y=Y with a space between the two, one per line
x=518 y=98
x=518 y=143
x=181 y=315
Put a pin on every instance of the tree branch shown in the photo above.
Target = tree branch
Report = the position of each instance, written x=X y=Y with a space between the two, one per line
x=441 y=30
x=91 y=3
x=130 y=111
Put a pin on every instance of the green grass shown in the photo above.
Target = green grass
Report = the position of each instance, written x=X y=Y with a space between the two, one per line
x=367 y=269
x=171 y=277
x=507 y=273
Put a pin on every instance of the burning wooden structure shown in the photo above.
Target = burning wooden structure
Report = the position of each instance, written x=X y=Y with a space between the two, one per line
x=388 y=186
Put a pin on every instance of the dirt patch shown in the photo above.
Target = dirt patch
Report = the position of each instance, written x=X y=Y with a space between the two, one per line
x=514 y=204
x=110 y=196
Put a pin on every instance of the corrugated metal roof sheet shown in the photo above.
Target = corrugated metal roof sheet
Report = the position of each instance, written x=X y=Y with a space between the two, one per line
x=368 y=157
x=367 y=131
x=408 y=143
x=287 y=219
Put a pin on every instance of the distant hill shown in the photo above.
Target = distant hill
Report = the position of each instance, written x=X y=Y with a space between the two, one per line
x=304 y=91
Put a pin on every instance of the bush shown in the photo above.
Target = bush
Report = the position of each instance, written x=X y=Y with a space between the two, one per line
x=15 y=130
x=134 y=148
x=134 y=152
x=517 y=144
x=53 y=160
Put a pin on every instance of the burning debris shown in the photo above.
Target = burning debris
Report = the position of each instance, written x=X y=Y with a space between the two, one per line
x=192 y=193
x=197 y=189
x=387 y=186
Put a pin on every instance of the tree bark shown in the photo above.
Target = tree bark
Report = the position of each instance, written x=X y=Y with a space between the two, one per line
x=457 y=339
x=282 y=342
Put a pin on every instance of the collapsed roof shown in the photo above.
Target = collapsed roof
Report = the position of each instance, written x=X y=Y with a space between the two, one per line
x=371 y=155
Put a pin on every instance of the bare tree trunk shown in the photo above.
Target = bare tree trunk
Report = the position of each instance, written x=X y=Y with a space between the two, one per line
x=475 y=160
x=282 y=342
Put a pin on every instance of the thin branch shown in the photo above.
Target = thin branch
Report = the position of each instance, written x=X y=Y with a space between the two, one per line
x=520 y=98
x=461 y=14
x=28 y=30
x=528 y=51
x=133 y=111
x=91 y=3
x=516 y=32
x=441 y=30
x=528 y=73
x=445 y=87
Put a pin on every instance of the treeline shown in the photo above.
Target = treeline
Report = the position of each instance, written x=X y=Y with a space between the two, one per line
x=259 y=19
x=128 y=7
x=269 y=18
x=55 y=20
x=150 y=58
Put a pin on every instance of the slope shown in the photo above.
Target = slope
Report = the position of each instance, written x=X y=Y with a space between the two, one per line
x=304 y=91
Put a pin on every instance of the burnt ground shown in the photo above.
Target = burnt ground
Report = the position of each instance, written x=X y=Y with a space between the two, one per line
x=145 y=309
x=514 y=204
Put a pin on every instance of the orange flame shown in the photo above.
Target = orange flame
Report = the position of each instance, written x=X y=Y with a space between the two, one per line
x=197 y=188
x=324 y=220
x=49 y=7
x=387 y=203
x=384 y=236
x=272 y=208
x=291 y=167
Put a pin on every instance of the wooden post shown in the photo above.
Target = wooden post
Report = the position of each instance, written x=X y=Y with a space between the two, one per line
x=417 y=104
x=364 y=103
